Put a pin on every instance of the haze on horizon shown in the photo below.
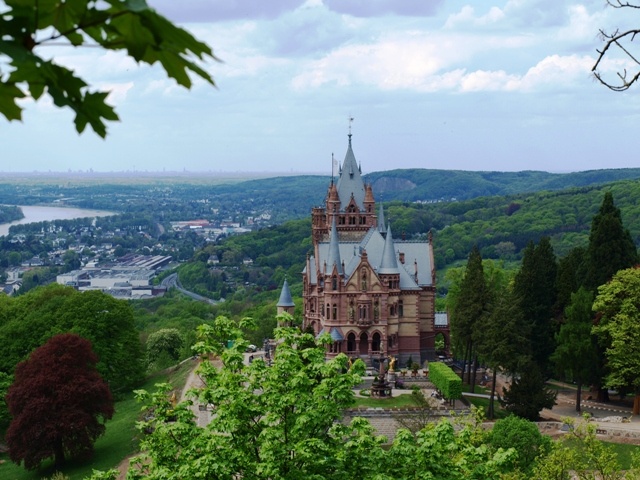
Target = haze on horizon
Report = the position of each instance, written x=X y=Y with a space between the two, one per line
x=486 y=85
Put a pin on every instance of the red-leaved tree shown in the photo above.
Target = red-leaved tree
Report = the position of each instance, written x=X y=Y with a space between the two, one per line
x=58 y=403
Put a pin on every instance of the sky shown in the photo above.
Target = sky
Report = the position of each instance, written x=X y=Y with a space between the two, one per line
x=493 y=85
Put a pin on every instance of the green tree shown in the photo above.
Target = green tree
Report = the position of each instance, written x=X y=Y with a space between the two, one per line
x=610 y=249
x=470 y=306
x=524 y=436
x=283 y=421
x=618 y=330
x=535 y=293
x=528 y=395
x=610 y=245
x=5 y=381
x=575 y=356
x=501 y=339
x=108 y=323
x=129 y=25
x=570 y=277
x=165 y=343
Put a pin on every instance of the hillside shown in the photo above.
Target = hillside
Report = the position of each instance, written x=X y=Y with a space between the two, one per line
x=500 y=225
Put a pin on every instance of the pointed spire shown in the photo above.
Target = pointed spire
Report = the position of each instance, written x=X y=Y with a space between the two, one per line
x=382 y=228
x=285 y=296
x=389 y=263
x=350 y=181
x=334 y=250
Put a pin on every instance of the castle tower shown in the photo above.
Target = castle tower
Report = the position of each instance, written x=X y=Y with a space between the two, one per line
x=374 y=295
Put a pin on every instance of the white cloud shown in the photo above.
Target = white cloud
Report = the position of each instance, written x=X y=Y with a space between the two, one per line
x=467 y=17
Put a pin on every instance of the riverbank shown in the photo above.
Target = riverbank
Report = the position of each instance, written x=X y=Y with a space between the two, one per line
x=40 y=213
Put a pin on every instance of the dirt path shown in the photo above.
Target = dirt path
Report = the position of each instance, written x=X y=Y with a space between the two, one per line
x=193 y=381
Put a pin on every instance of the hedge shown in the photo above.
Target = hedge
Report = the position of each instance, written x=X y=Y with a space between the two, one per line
x=445 y=380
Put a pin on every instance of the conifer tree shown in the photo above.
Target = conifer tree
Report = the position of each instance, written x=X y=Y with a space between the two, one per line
x=576 y=353
x=611 y=247
x=471 y=305
x=535 y=294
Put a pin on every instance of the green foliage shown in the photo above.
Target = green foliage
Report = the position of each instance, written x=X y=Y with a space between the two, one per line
x=534 y=291
x=528 y=395
x=445 y=380
x=5 y=381
x=33 y=318
x=619 y=328
x=166 y=341
x=610 y=245
x=524 y=436
x=128 y=25
x=575 y=356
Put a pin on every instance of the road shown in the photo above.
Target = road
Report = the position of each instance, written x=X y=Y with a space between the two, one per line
x=172 y=282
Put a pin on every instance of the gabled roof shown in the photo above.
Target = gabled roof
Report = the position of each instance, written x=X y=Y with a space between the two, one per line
x=414 y=273
x=350 y=181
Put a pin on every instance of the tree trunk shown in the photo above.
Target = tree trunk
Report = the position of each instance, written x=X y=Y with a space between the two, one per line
x=58 y=452
x=636 y=405
x=490 y=413
x=470 y=349
x=472 y=383
x=603 y=394
x=464 y=361
x=578 y=396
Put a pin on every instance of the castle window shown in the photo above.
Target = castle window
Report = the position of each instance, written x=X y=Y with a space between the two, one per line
x=351 y=343
x=375 y=342
x=400 y=309
x=335 y=311
x=334 y=283
x=328 y=311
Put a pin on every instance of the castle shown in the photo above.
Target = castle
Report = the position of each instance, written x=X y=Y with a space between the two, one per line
x=373 y=294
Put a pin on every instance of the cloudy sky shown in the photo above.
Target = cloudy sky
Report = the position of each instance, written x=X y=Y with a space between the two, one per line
x=471 y=84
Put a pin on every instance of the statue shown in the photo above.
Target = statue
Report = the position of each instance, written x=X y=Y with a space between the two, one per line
x=392 y=364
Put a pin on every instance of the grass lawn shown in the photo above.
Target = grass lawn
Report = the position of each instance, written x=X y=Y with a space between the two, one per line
x=392 y=402
x=118 y=442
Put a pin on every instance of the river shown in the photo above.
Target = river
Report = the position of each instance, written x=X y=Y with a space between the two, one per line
x=38 y=213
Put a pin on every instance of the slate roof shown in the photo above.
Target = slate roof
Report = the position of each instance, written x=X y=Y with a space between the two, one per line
x=285 y=296
x=350 y=181
x=416 y=254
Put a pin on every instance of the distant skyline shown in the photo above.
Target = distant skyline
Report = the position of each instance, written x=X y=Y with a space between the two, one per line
x=476 y=85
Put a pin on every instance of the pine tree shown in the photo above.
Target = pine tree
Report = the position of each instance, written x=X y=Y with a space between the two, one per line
x=535 y=294
x=471 y=306
x=611 y=247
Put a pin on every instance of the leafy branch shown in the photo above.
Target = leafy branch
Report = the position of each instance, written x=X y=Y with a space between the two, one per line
x=129 y=25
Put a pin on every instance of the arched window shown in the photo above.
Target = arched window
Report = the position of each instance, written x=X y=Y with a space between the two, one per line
x=400 y=308
x=334 y=283
x=335 y=312
x=328 y=311
x=375 y=342
x=351 y=342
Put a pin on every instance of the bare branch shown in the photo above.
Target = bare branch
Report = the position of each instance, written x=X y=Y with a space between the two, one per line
x=614 y=39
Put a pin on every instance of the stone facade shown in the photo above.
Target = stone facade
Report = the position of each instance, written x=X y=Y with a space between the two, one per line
x=374 y=295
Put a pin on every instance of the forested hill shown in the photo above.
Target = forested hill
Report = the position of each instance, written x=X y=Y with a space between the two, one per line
x=500 y=225
x=434 y=185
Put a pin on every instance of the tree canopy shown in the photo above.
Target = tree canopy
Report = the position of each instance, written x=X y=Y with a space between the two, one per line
x=58 y=403
x=619 y=328
x=286 y=421
x=28 y=321
x=127 y=25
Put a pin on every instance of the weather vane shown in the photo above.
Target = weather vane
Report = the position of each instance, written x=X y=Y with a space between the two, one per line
x=350 y=122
